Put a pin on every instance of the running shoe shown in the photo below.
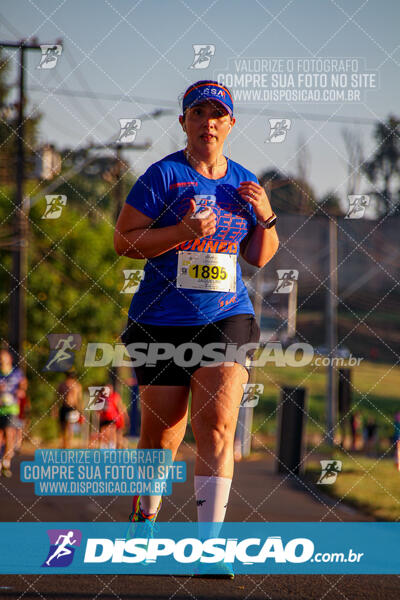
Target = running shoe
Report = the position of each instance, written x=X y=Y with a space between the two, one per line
x=6 y=471
x=138 y=516
x=219 y=570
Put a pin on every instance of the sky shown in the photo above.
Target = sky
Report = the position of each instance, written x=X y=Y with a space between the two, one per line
x=144 y=49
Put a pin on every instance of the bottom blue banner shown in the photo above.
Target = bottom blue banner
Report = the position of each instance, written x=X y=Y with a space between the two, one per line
x=188 y=548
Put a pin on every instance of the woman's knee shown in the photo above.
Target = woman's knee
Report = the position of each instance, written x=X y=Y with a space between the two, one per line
x=214 y=436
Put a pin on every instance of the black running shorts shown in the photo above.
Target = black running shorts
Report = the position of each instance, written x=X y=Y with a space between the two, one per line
x=236 y=330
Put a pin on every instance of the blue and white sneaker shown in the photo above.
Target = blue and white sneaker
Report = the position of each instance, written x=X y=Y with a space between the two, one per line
x=138 y=516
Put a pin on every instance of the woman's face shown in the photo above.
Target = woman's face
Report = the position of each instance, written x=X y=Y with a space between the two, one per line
x=207 y=125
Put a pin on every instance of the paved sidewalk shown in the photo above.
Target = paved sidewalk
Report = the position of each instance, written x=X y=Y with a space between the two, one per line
x=258 y=494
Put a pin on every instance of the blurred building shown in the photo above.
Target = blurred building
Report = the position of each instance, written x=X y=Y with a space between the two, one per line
x=48 y=162
x=368 y=288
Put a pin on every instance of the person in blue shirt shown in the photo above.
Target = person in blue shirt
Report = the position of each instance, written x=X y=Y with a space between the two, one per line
x=190 y=215
x=13 y=385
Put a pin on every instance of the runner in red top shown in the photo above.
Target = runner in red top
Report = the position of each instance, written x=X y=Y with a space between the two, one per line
x=111 y=418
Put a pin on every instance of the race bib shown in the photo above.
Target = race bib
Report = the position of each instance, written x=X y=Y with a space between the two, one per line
x=211 y=271
x=6 y=399
x=73 y=416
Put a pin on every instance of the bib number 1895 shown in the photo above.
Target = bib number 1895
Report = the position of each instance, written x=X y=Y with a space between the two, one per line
x=208 y=272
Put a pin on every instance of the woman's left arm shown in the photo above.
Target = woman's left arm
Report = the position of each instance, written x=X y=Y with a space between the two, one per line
x=260 y=245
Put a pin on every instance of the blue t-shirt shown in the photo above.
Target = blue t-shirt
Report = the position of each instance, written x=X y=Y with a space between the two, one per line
x=163 y=193
x=9 y=403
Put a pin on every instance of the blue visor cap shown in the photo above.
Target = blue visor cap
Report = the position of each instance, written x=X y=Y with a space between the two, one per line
x=208 y=91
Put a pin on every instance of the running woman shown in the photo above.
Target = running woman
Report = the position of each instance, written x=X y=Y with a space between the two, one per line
x=190 y=215
x=13 y=386
x=70 y=392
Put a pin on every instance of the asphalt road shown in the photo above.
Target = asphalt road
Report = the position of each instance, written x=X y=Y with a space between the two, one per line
x=256 y=490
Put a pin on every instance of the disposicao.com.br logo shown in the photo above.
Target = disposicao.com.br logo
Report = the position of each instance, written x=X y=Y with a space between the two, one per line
x=211 y=551
x=251 y=547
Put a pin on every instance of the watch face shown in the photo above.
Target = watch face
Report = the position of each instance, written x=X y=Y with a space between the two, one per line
x=271 y=222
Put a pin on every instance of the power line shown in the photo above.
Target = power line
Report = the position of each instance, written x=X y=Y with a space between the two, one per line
x=95 y=102
x=171 y=103
x=111 y=144
x=84 y=83
x=83 y=117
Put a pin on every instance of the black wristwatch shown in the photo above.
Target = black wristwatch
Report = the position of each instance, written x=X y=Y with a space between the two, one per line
x=270 y=222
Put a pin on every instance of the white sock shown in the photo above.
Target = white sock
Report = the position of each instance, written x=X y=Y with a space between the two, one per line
x=212 y=495
x=149 y=504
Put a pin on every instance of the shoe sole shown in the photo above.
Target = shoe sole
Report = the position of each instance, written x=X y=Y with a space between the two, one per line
x=213 y=576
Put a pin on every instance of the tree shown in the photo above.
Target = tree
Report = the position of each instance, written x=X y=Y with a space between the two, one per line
x=383 y=170
x=288 y=194
x=330 y=205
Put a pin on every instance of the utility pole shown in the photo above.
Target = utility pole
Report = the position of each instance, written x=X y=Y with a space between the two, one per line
x=119 y=171
x=331 y=332
x=17 y=323
x=292 y=312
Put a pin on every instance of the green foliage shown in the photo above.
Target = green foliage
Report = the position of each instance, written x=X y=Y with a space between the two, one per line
x=369 y=484
x=74 y=283
x=383 y=170
x=372 y=394
x=288 y=195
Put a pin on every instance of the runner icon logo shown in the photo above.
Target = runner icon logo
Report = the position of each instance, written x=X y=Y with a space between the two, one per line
x=50 y=54
x=133 y=277
x=251 y=394
x=286 y=277
x=202 y=55
x=63 y=543
x=278 y=130
x=128 y=130
x=54 y=206
x=329 y=471
x=62 y=348
x=357 y=205
x=98 y=395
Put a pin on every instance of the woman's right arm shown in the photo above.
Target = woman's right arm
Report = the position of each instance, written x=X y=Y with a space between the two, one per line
x=133 y=236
